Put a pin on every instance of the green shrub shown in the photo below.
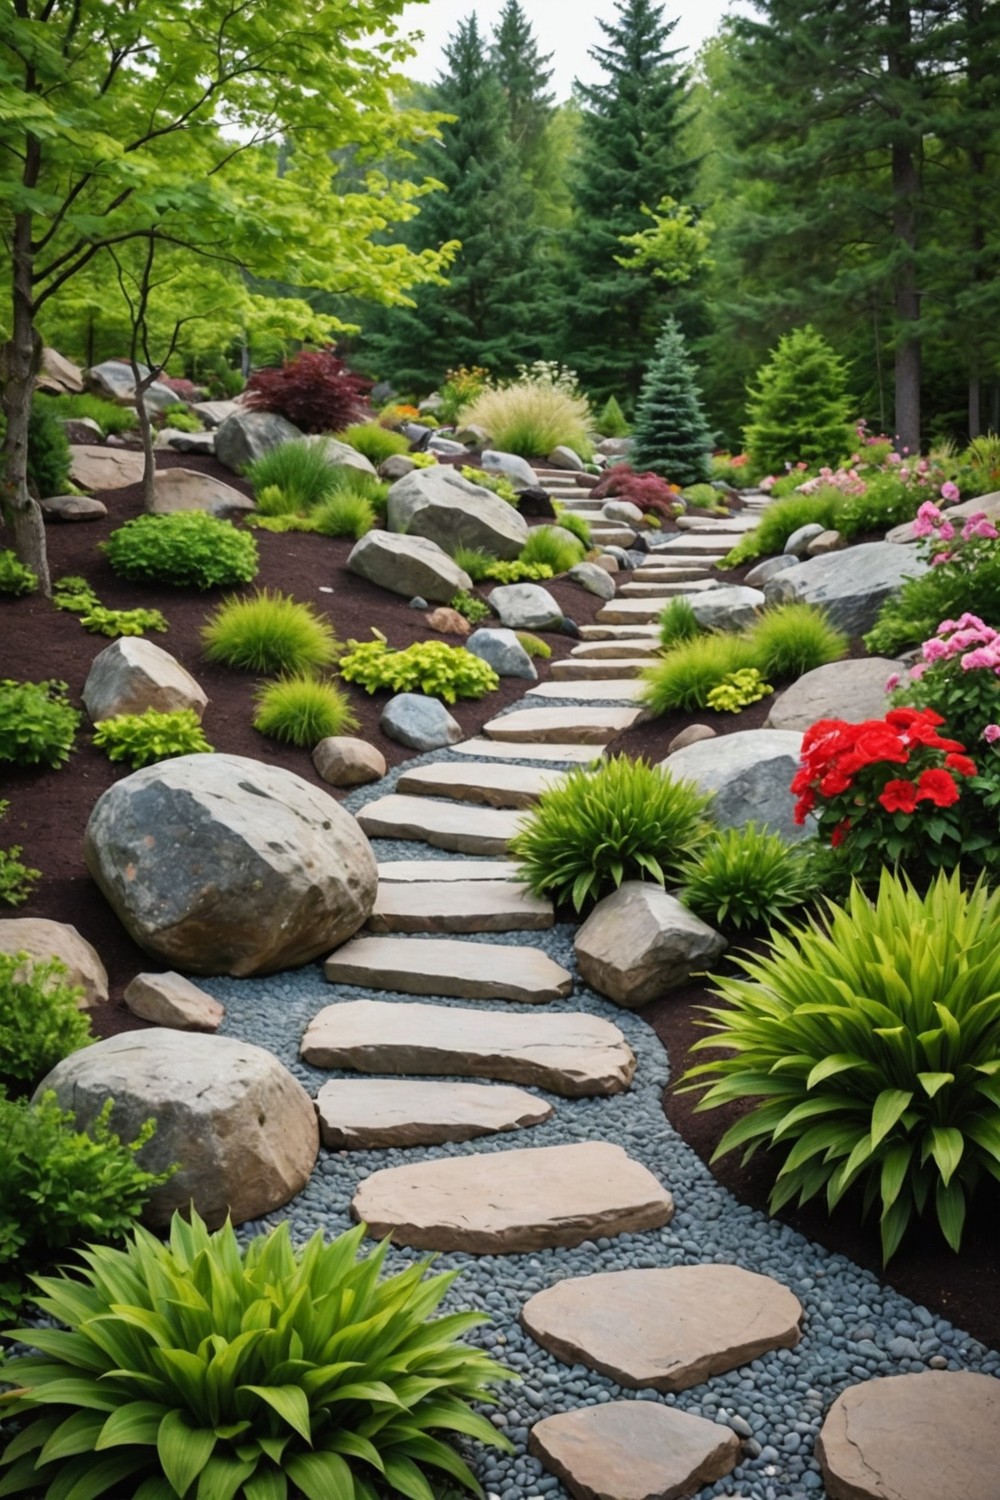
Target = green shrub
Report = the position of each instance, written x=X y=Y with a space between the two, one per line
x=703 y=496
x=518 y=572
x=301 y=472
x=431 y=667
x=473 y=609
x=611 y=423
x=182 y=420
x=274 y=503
x=685 y=676
x=111 y=418
x=545 y=545
x=886 y=502
x=534 y=645
x=377 y=443
x=268 y=632
x=48 y=451
x=15 y=578
x=475 y=561
x=576 y=526
x=40 y=1022
x=738 y=691
x=789 y=640
x=188 y=550
x=37 y=724
x=799 y=409
x=73 y=593
x=16 y=879
x=678 y=622
x=744 y=879
x=531 y=418
x=869 y=1045
x=343 y=513
x=144 y=738
x=914 y=613
x=326 y=1377
x=780 y=520
x=499 y=484
x=302 y=710
x=626 y=820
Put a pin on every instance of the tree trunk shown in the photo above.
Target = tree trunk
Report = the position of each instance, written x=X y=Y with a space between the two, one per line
x=20 y=362
x=905 y=197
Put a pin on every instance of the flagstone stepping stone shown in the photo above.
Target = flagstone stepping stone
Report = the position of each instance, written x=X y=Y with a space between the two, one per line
x=931 y=1436
x=590 y=726
x=694 y=543
x=633 y=1450
x=716 y=523
x=620 y=649
x=664 y=1329
x=610 y=690
x=499 y=750
x=666 y=573
x=640 y=611
x=399 y=871
x=634 y=631
x=571 y=1054
x=445 y=825
x=851 y=690
x=648 y=589
x=496 y=786
x=447 y=966
x=359 y=1114
x=573 y=669
x=441 y=906
x=508 y=1202
x=608 y=535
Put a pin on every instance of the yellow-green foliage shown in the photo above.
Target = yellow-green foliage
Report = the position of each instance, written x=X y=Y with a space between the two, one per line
x=144 y=738
x=531 y=418
x=269 y=632
x=738 y=691
x=302 y=710
x=431 y=667
x=534 y=645
x=685 y=676
x=376 y=442
x=559 y=552
x=791 y=639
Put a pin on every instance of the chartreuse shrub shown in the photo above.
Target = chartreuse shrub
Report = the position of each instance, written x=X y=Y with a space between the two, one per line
x=16 y=879
x=268 y=632
x=626 y=820
x=74 y=594
x=780 y=520
x=791 y=639
x=15 y=577
x=302 y=710
x=190 y=549
x=197 y=1367
x=145 y=738
x=40 y=1022
x=343 y=513
x=489 y=479
x=482 y=566
x=534 y=645
x=431 y=667
x=744 y=879
x=37 y=723
x=737 y=691
x=473 y=609
x=545 y=545
x=868 y=1045
x=685 y=676
x=109 y=416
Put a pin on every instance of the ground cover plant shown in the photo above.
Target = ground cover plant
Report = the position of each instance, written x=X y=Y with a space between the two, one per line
x=534 y=645
x=473 y=609
x=431 y=667
x=188 y=550
x=568 y=520
x=868 y=1046
x=269 y=632
x=15 y=578
x=17 y=880
x=74 y=594
x=314 y=390
x=498 y=484
x=37 y=723
x=145 y=738
x=737 y=691
x=743 y=880
x=626 y=820
x=300 y=709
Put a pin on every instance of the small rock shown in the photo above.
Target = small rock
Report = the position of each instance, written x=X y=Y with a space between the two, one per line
x=73 y=508
x=592 y=578
x=447 y=447
x=798 y=543
x=419 y=722
x=568 y=626
x=827 y=541
x=133 y=675
x=511 y=466
x=448 y=621
x=246 y=435
x=624 y=511
x=417 y=602
x=758 y=576
x=525 y=606
x=606 y=561
x=342 y=760
x=727 y=608
x=690 y=736
x=564 y=458
x=396 y=466
x=640 y=942
x=171 y=1000
x=502 y=650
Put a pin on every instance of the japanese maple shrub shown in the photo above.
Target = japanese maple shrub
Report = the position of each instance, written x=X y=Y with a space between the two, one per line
x=314 y=390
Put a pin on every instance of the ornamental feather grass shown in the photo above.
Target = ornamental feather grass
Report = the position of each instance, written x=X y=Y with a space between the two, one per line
x=868 y=1044
x=196 y=1366
x=302 y=710
x=531 y=418
x=685 y=676
x=269 y=632
x=792 y=639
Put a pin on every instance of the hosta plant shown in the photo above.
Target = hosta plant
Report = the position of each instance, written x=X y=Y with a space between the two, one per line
x=744 y=879
x=869 y=1047
x=145 y=738
x=626 y=820
x=196 y=1368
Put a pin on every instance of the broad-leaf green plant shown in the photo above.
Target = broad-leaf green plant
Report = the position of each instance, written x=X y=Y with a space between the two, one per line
x=189 y=549
x=431 y=667
x=40 y=1017
x=15 y=577
x=142 y=739
x=37 y=723
x=17 y=880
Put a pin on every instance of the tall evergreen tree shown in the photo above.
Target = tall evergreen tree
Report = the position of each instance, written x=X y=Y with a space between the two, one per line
x=670 y=435
x=524 y=77
x=630 y=158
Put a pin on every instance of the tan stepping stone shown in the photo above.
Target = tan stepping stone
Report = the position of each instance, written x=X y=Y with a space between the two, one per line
x=356 y=1114
x=633 y=1450
x=667 y=573
x=624 y=648
x=446 y=825
x=697 y=544
x=508 y=1202
x=628 y=632
x=394 y=871
x=585 y=669
x=608 y=690
x=664 y=1329
x=611 y=536
x=442 y=906
x=446 y=966
x=668 y=586
x=637 y=611
x=590 y=726
x=580 y=755
x=931 y=1436
x=571 y=1054
x=496 y=786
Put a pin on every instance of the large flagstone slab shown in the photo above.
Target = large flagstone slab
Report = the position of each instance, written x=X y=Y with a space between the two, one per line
x=590 y=726
x=508 y=1202
x=580 y=755
x=493 y=785
x=664 y=1329
x=357 y=1114
x=443 y=906
x=641 y=631
x=646 y=647
x=587 y=670
x=649 y=588
x=641 y=611
x=610 y=690
x=568 y=1053
x=633 y=1450
x=445 y=825
x=392 y=871
x=447 y=966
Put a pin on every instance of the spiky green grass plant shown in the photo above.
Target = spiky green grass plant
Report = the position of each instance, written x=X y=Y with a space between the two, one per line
x=792 y=639
x=687 y=674
x=577 y=526
x=678 y=622
x=745 y=879
x=302 y=710
x=344 y=513
x=376 y=442
x=268 y=632
x=546 y=546
x=300 y=470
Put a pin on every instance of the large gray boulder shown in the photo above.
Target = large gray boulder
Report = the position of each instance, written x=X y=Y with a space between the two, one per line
x=732 y=607
x=749 y=773
x=243 y=1130
x=640 y=942
x=245 y=435
x=439 y=504
x=113 y=379
x=850 y=586
x=408 y=565
x=518 y=470
x=133 y=674
x=851 y=690
x=219 y=864
x=525 y=606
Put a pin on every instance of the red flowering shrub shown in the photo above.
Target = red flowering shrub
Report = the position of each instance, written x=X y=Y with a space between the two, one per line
x=185 y=389
x=889 y=792
x=315 y=390
x=642 y=488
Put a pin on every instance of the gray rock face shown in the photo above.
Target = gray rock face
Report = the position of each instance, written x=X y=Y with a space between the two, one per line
x=850 y=586
x=83 y=430
x=396 y=466
x=502 y=650
x=222 y=865
x=247 y=435
x=113 y=379
x=214 y=413
x=798 y=543
x=408 y=565
x=58 y=375
x=448 y=447
x=759 y=575
x=242 y=1128
x=341 y=455
x=750 y=773
x=851 y=690
x=525 y=606
x=624 y=511
x=447 y=509
x=187 y=489
x=133 y=674
x=594 y=579
x=73 y=508
x=186 y=442
x=514 y=468
x=342 y=760
x=615 y=447
x=417 y=721
x=564 y=458
x=43 y=939
x=171 y=1000
x=639 y=942
x=727 y=608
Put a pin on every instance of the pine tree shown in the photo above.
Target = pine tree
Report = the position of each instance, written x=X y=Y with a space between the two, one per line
x=670 y=434
x=799 y=411
x=524 y=78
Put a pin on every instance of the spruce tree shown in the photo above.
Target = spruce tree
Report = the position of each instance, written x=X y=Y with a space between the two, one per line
x=670 y=434
x=524 y=78
x=799 y=411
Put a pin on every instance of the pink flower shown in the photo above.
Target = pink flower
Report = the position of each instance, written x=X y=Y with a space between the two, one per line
x=946 y=531
x=893 y=458
x=950 y=492
x=918 y=671
x=979 y=526
x=934 y=650
x=991 y=733
x=941 y=557
x=981 y=658
x=892 y=682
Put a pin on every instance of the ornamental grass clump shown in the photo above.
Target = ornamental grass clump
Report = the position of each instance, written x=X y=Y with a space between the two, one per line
x=343 y=513
x=198 y=1367
x=789 y=640
x=687 y=674
x=545 y=545
x=745 y=879
x=626 y=820
x=780 y=520
x=678 y=622
x=531 y=418
x=291 y=476
x=302 y=710
x=868 y=1044
x=269 y=632
x=374 y=441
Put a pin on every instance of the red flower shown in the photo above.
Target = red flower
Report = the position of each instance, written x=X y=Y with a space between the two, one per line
x=840 y=833
x=960 y=764
x=898 y=796
x=937 y=787
x=805 y=805
x=834 y=782
x=902 y=718
x=876 y=742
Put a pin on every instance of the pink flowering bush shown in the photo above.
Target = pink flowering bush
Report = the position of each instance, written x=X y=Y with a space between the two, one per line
x=964 y=580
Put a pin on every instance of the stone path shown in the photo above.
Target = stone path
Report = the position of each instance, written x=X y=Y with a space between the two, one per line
x=497 y=786
x=590 y=726
x=357 y=1114
x=441 y=906
x=467 y=830
x=611 y=690
x=447 y=966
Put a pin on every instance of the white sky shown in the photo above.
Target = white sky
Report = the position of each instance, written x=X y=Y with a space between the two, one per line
x=566 y=28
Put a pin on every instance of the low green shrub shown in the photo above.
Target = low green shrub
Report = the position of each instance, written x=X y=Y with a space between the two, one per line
x=343 y=513
x=792 y=639
x=531 y=418
x=75 y=595
x=16 y=879
x=15 y=577
x=678 y=622
x=274 y=503
x=611 y=422
x=268 y=632
x=745 y=879
x=144 y=738
x=188 y=550
x=37 y=723
x=375 y=442
x=499 y=484
x=702 y=496
x=300 y=472
x=780 y=520
x=40 y=1021
x=576 y=526
x=534 y=645
x=519 y=572
x=545 y=545
x=48 y=451
x=431 y=667
x=887 y=501
x=302 y=710
x=182 y=420
x=626 y=820
x=738 y=691
x=111 y=418
x=327 y=1377
x=473 y=609
x=868 y=1045
x=684 y=677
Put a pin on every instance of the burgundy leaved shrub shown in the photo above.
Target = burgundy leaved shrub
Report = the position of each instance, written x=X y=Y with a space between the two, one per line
x=185 y=389
x=642 y=488
x=315 y=390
